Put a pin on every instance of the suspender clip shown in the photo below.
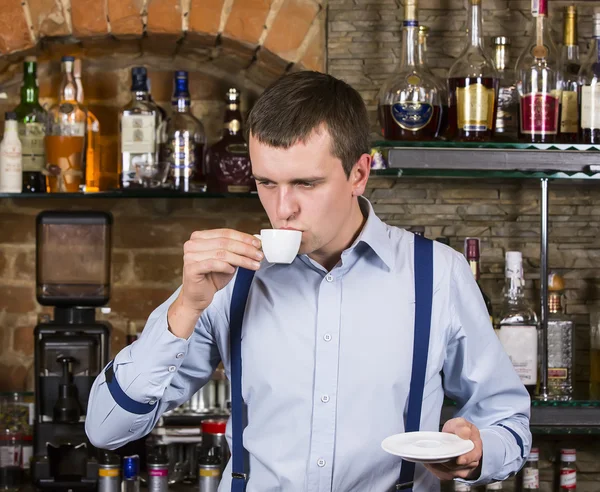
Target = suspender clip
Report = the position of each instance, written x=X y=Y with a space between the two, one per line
x=239 y=476
x=405 y=486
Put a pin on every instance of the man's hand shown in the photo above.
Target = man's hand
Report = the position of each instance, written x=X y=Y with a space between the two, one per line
x=467 y=466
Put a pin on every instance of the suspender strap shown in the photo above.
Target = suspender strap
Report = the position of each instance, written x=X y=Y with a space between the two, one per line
x=236 y=318
x=121 y=398
x=423 y=270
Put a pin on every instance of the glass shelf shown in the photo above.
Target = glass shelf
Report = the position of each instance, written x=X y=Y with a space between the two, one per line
x=482 y=174
x=445 y=144
x=157 y=193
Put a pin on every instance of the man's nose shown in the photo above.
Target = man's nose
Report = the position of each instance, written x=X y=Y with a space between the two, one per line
x=287 y=206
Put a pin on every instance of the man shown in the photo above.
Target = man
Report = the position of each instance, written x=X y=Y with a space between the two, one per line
x=326 y=340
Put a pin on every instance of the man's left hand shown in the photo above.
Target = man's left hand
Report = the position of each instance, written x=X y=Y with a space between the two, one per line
x=466 y=466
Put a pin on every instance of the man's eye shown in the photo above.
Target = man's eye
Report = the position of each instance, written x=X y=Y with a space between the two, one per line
x=307 y=185
x=265 y=183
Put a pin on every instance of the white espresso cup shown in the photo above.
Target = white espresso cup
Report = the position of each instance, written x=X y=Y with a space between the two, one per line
x=280 y=245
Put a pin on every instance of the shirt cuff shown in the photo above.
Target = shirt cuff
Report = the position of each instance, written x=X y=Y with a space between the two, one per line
x=493 y=457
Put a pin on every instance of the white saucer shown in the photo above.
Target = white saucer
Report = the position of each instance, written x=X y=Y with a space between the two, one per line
x=427 y=447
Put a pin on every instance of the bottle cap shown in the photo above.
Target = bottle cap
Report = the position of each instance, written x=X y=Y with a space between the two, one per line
x=131 y=466
x=555 y=282
x=534 y=454
x=10 y=116
x=31 y=59
x=472 y=248
x=568 y=455
x=214 y=426
x=514 y=264
x=67 y=59
x=232 y=96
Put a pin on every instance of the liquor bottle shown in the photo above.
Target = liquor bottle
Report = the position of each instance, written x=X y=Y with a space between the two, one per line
x=560 y=343
x=568 y=470
x=185 y=141
x=494 y=486
x=441 y=83
x=92 y=142
x=472 y=86
x=472 y=255
x=589 y=80
x=507 y=117
x=140 y=123
x=11 y=166
x=32 y=129
x=570 y=66
x=519 y=324
x=65 y=137
x=539 y=81
x=131 y=474
x=461 y=487
x=228 y=161
x=409 y=102
x=531 y=471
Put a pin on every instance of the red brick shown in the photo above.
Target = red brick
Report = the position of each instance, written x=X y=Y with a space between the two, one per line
x=125 y=17
x=100 y=47
x=234 y=56
x=247 y=19
x=17 y=229
x=197 y=43
x=165 y=45
x=164 y=17
x=137 y=302
x=290 y=27
x=156 y=267
x=48 y=17
x=17 y=299
x=13 y=377
x=89 y=17
x=25 y=266
x=23 y=340
x=205 y=16
x=14 y=31
x=314 y=56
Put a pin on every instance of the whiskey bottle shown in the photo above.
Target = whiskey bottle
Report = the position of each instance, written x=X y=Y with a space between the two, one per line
x=589 y=80
x=519 y=324
x=531 y=471
x=409 y=102
x=570 y=66
x=539 y=81
x=32 y=119
x=472 y=86
x=507 y=117
x=472 y=255
x=560 y=342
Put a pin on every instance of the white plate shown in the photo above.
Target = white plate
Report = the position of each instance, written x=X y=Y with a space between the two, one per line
x=427 y=447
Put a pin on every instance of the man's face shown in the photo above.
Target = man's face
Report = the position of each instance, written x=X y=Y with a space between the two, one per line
x=305 y=188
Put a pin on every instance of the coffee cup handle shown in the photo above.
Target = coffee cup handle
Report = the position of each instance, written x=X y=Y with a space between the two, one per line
x=258 y=237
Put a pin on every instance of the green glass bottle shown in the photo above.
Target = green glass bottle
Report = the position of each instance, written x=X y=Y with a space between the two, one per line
x=31 y=117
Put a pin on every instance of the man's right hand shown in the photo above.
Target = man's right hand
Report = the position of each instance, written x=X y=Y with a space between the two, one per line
x=210 y=259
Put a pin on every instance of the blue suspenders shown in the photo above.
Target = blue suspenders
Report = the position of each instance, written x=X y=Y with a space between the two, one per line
x=423 y=271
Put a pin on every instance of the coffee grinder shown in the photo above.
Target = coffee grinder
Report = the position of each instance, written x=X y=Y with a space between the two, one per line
x=73 y=251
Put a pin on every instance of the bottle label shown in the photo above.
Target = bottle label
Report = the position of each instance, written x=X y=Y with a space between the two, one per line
x=68 y=129
x=539 y=114
x=568 y=478
x=590 y=107
x=108 y=472
x=11 y=169
x=412 y=116
x=520 y=344
x=207 y=472
x=184 y=152
x=557 y=373
x=10 y=456
x=475 y=105
x=138 y=133
x=233 y=126
x=32 y=141
x=159 y=472
x=506 y=118
x=27 y=455
x=531 y=478
x=569 y=117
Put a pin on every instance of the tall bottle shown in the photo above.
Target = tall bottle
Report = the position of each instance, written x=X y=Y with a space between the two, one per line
x=11 y=167
x=589 y=80
x=570 y=66
x=519 y=324
x=568 y=470
x=409 y=102
x=531 y=471
x=507 y=117
x=539 y=81
x=31 y=117
x=92 y=141
x=65 y=137
x=185 y=141
x=228 y=160
x=140 y=122
x=472 y=255
x=472 y=86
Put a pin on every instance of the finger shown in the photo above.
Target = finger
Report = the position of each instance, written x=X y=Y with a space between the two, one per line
x=472 y=456
x=195 y=269
x=226 y=233
x=221 y=255
x=221 y=243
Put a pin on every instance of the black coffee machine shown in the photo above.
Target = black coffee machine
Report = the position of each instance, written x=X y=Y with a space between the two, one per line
x=72 y=274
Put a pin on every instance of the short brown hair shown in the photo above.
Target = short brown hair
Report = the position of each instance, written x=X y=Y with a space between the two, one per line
x=298 y=103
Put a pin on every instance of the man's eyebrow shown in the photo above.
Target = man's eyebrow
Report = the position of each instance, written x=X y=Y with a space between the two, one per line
x=308 y=179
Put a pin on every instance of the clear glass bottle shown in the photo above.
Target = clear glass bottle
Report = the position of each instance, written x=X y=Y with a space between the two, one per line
x=185 y=141
x=140 y=124
x=507 y=117
x=539 y=81
x=11 y=161
x=589 y=96
x=560 y=342
x=518 y=324
x=568 y=470
x=11 y=475
x=409 y=102
x=65 y=137
x=570 y=66
x=32 y=118
x=531 y=471
x=472 y=86
x=472 y=255
x=92 y=142
x=228 y=161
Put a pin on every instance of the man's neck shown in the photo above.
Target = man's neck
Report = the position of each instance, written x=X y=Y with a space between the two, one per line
x=330 y=255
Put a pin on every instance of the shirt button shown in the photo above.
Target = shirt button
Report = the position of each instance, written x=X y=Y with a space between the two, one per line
x=324 y=398
x=321 y=462
x=152 y=401
x=329 y=278
x=327 y=337
x=172 y=368
x=179 y=355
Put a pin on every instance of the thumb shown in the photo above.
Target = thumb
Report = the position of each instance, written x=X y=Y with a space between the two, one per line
x=458 y=426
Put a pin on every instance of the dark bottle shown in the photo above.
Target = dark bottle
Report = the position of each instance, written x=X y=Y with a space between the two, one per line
x=570 y=66
x=472 y=86
x=472 y=255
x=589 y=95
x=32 y=120
x=228 y=161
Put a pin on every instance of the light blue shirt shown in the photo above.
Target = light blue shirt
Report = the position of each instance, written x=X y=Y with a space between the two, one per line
x=326 y=369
